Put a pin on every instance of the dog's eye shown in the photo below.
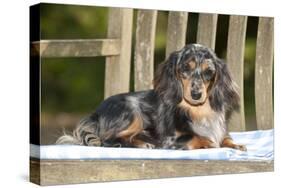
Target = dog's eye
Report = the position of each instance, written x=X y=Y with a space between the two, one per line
x=208 y=74
x=186 y=68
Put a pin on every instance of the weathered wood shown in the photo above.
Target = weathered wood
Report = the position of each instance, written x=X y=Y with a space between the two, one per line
x=55 y=172
x=235 y=61
x=117 y=69
x=34 y=171
x=144 y=49
x=263 y=74
x=76 y=48
x=207 y=27
x=176 y=31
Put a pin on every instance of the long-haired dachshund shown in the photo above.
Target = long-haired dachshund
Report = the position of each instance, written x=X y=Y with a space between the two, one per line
x=189 y=107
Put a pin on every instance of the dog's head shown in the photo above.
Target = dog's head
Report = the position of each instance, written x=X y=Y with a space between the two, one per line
x=194 y=75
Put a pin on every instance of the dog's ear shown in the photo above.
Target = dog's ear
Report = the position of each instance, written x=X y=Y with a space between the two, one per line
x=166 y=83
x=223 y=95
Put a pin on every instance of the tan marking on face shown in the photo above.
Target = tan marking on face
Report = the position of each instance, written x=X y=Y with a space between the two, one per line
x=187 y=92
x=204 y=66
x=207 y=89
x=197 y=113
x=186 y=88
x=192 y=64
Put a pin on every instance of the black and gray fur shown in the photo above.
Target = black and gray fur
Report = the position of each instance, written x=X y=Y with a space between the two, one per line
x=159 y=109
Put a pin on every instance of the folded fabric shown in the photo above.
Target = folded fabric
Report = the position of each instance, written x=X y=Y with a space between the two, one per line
x=259 y=147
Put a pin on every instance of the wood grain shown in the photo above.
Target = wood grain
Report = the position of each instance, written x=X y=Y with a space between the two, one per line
x=207 y=27
x=176 y=31
x=235 y=62
x=144 y=49
x=76 y=48
x=263 y=74
x=117 y=68
x=54 y=172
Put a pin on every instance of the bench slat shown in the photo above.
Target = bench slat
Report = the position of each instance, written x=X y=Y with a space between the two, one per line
x=117 y=68
x=76 y=48
x=144 y=49
x=235 y=61
x=176 y=31
x=53 y=172
x=207 y=26
x=263 y=74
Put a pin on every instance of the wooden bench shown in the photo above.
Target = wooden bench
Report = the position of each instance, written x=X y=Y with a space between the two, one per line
x=117 y=50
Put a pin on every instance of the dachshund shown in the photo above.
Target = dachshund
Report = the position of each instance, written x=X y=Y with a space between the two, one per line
x=193 y=98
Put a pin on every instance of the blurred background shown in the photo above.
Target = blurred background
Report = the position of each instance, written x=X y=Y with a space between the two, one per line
x=74 y=87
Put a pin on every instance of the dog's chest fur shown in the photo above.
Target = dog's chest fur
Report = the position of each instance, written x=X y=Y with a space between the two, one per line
x=211 y=127
x=207 y=123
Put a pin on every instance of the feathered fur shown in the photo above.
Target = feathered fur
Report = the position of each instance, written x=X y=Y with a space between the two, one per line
x=193 y=97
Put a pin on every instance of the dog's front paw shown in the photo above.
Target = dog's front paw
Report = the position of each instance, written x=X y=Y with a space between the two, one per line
x=228 y=142
x=169 y=143
x=240 y=147
x=147 y=146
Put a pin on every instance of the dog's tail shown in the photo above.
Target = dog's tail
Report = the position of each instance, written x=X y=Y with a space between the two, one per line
x=84 y=134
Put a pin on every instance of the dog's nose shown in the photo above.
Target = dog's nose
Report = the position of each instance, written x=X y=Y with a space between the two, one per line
x=196 y=95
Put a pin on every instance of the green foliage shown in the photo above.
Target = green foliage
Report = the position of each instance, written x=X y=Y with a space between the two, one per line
x=72 y=85
x=77 y=84
x=68 y=21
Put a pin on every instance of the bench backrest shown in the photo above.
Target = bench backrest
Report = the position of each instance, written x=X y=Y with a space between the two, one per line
x=117 y=49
